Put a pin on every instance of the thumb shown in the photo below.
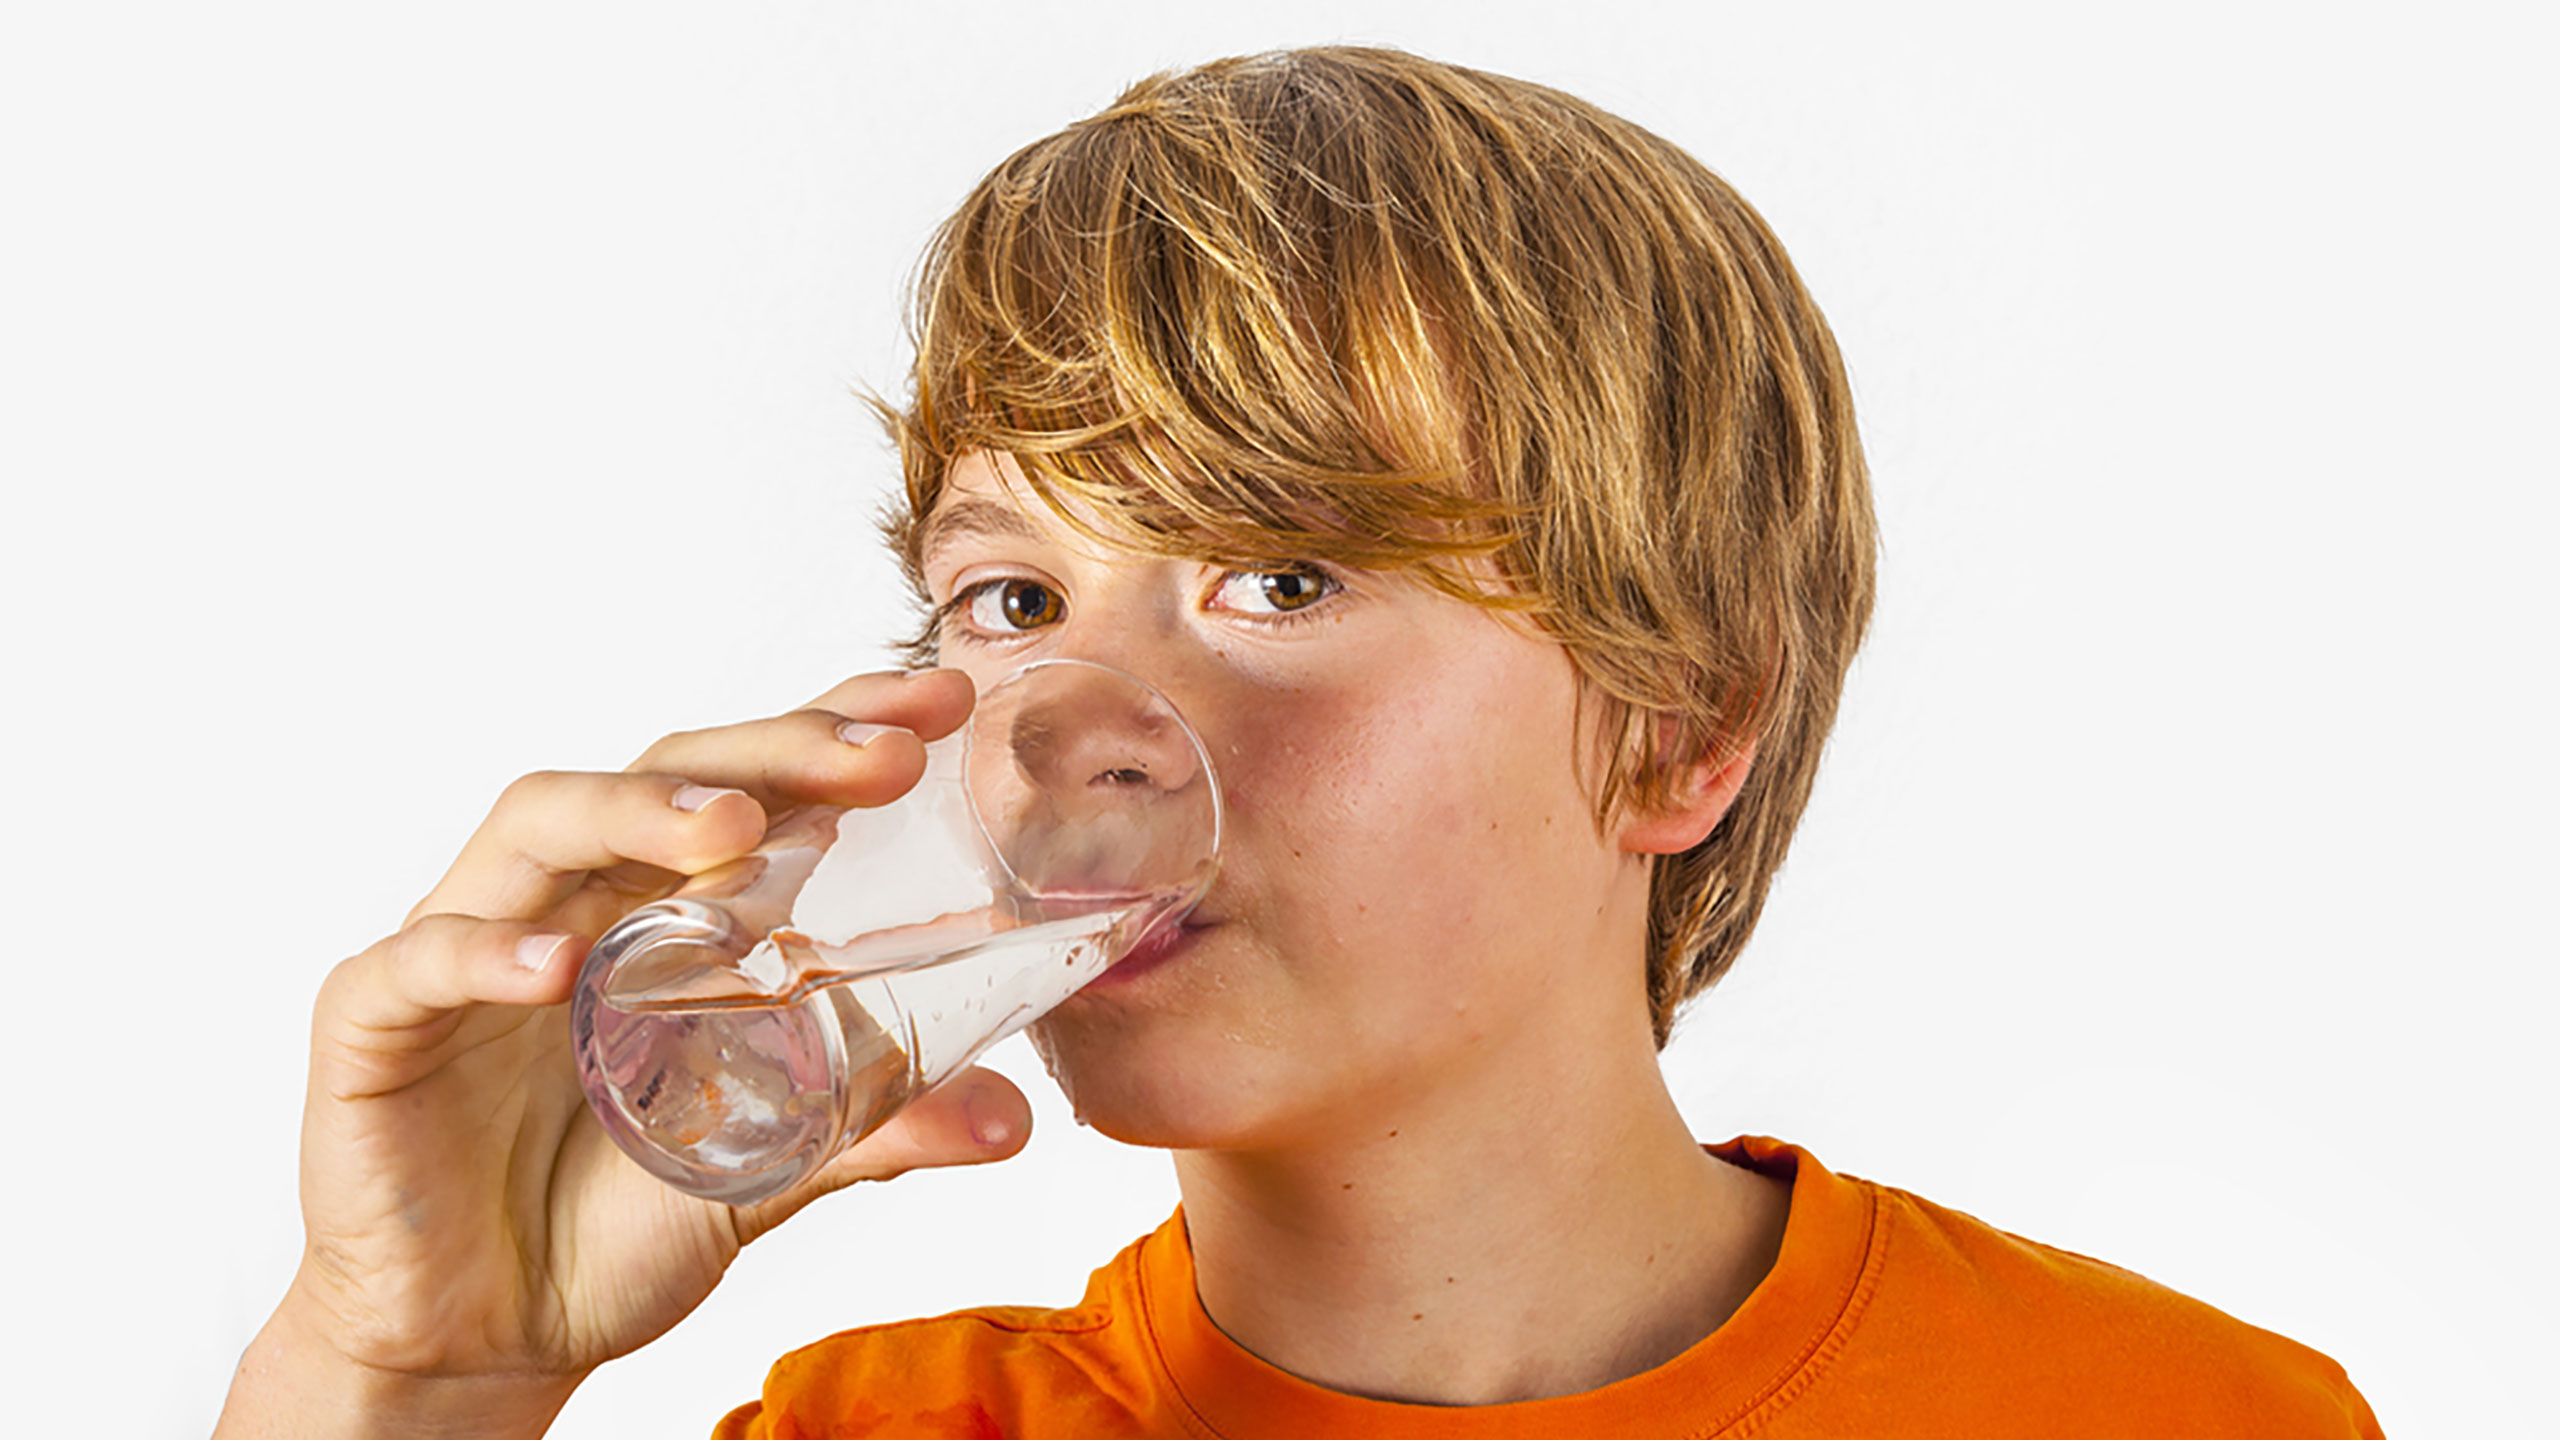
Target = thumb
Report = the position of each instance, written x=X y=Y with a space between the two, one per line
x=972 y=1118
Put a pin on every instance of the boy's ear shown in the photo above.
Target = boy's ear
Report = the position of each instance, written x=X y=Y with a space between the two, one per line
x=1699 y=796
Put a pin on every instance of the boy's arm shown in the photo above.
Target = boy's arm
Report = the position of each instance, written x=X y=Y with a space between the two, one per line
x=293 y=1382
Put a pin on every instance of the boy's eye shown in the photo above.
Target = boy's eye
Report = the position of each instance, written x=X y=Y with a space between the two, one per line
x=1274 y=592
x=1001 y=605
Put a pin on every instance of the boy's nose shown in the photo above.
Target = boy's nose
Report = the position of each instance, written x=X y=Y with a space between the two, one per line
x=1090 y=784
x=1087 y=727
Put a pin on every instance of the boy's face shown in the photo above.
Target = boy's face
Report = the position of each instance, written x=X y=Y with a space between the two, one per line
x=1413 y=892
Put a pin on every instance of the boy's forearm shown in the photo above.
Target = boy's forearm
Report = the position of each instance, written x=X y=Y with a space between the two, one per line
x=292 y=1383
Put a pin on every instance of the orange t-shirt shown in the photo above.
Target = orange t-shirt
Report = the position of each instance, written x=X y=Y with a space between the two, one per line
x=1885 y=1315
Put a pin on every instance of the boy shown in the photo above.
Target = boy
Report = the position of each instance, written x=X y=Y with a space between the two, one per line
x=1473 y=470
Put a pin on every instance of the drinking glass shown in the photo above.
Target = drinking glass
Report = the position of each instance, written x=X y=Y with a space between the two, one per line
x=738 y=1034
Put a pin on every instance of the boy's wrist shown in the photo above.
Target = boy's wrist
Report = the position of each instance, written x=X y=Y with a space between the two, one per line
x=294 y=1381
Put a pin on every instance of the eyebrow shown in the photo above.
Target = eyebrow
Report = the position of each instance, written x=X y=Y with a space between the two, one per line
x=973 y=517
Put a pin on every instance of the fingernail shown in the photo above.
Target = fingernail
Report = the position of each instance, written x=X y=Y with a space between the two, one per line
x=857 y=733
x=694 y=797
x=535 y=951
x=985 y=1126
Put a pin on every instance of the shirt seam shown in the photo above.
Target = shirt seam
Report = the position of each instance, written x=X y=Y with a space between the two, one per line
x=1818 y=1355
x=1189 y=1413
x=1087 y=1321
x=1750 y=1417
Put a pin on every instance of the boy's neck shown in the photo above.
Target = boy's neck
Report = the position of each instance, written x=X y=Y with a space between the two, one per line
x=1499 y=1248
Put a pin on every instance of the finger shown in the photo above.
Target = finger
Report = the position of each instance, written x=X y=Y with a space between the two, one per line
x=932 y=703
x=973 y=1118
x=976 y=1116
x=406 y=993
x=806 y=757
x=549 y=829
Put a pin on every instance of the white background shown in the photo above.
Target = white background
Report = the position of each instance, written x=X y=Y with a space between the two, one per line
x=399 y=400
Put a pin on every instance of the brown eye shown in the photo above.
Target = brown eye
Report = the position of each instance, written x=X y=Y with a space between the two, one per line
x=1274 y=592
x=1291 y=589
x=1002 y=605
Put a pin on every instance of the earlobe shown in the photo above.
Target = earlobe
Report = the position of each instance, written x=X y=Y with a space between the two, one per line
x=1702 y=794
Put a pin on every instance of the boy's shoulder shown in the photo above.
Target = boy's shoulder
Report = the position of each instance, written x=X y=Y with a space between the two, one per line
x=1950 y=1314
x=1081 y=1370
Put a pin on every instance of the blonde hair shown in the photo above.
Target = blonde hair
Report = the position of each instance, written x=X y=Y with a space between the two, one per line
x=1355 y=306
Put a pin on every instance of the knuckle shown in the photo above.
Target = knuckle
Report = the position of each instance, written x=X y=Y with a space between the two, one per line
x=674 y=743
x=406 y=948
x=814 y=724
x=350 y=984
x=345 y=976
x=425 y=942
x=530 y=789
x=645 y=779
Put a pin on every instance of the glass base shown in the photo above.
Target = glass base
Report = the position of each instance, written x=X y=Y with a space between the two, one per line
x=730 y=1105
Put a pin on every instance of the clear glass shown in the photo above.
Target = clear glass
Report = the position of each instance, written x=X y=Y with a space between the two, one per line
x=737 y=1035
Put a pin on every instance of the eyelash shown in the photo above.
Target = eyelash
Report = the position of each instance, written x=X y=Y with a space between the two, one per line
x=962 y=598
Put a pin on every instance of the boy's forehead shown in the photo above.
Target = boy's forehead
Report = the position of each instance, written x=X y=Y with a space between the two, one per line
x=988 y=497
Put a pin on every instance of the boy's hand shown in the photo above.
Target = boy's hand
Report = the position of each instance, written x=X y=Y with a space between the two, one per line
x=474 y=1242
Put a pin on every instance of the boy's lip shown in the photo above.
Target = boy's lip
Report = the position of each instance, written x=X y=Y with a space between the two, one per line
x=1162 y=945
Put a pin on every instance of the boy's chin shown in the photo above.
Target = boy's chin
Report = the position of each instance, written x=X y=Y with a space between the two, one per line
x=1155 y=1091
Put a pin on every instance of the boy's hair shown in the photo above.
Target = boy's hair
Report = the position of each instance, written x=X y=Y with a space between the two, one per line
x=1351 y=305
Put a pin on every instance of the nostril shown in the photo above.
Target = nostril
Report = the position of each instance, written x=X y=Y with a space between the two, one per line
x=1125 y=775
